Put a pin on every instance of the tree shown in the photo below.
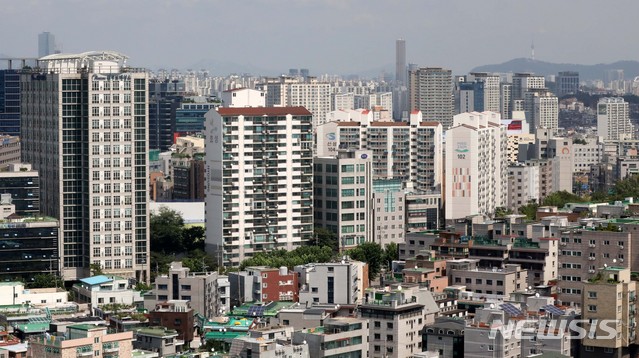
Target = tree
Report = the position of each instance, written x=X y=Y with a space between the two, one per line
x=501 y=211
x=95 y=269
x=45 y=280
x=167 y=228
x=391 y=253
x=193 y=238
x=530 y=210
x=300 y=256
x=371 y=253
x=325 y=237
x=199 y=261
x=561 y=198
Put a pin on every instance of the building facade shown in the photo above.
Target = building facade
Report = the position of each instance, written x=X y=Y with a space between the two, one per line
x=258 y=172
x=89 y=144
x=431 y=92
x=476 y=165
x=613 y=119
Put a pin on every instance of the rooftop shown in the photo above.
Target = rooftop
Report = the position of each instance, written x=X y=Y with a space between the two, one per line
x=263 y=111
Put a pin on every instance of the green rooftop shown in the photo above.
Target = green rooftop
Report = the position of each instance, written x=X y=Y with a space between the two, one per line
x=86 y=327
x=157 y=331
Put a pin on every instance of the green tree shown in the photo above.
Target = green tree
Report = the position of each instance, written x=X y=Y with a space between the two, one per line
x=300 y=256
x=325 y=237
x=530 y=210
x=501 y=211
x=160 y=263
x=391 y=253
x=193 y=238
x=371 y=253
x=45 y=280
x=561 y=198
x=167 y=228
x=95 y=269
x=199 y=261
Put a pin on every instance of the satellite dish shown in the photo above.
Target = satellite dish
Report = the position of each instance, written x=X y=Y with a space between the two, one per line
x=399 y=287
x=492 y=305
x=537 y=294
x=605 y=265
x=614 y=261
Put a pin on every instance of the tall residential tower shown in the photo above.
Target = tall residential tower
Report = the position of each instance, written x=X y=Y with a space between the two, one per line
x=87 y=136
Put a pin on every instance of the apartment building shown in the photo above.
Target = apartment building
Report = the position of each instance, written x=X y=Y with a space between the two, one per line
x=263 y=284
x=476 y=165
x=259 y=173
x=583 y=252
x=396 y=318
x=431 y=92
x=492 y=281
x=89 y=145
x=410 y=151
x=207 y=292
x=342 y=186
x=340 y=336
x=82 y=340
x=523 y=184
x=610 y=295
x=613 y=119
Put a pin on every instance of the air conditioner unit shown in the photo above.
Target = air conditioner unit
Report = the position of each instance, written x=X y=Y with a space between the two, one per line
x=620 y=260
x=591 y=271
x=592 y=245
x=563 y=244
x=591 y=258
x=621 y=247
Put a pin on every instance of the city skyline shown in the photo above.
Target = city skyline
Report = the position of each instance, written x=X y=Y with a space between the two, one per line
x=325 y=33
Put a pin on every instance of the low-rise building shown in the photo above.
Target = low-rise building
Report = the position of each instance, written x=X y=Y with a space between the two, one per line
x=253 y=347
x=333 y=282
x=497 y=281
x=176 y=315
x=208 y=292
x=161 y=340
x=14 y=293
x=82 y=340
x=104 y=289
x=446 y=337
x=396 y=318
x=263 y=284
x=342 y=337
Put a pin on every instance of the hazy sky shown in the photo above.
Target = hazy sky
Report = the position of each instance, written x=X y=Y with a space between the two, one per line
x=327 y=36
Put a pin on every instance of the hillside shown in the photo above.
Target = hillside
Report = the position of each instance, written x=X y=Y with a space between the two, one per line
x=586 y=72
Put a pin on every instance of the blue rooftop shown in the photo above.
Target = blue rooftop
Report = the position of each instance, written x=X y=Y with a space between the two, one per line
x=96 y=280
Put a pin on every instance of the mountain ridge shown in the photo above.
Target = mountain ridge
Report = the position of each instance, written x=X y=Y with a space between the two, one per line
x=586 y=72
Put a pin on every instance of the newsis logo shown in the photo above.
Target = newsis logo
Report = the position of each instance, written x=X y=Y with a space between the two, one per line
x=553 y=329
x=331 y=136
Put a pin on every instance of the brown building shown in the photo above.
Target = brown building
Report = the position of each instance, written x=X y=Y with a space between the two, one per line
x=263 y=284
x=177 y=315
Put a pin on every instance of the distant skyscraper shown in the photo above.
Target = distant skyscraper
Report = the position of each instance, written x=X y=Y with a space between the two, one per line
x=89 y=143
x=567 y=83
x=46 y=44
x=400 y=62
x=613 y=121
x=10 y=102
x=431 y=92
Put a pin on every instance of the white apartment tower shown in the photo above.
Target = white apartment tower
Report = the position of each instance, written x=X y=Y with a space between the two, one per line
x=542 y=110
x=297 y=92
x=491 y=89
x=410 y=151
x=431 y=92
x=613 y=119
x=258 y=180
x=476 y=165
x=87 y=136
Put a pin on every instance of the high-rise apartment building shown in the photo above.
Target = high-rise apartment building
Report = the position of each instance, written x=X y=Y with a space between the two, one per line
x=342 y=185
x=89 y=143
x=410 y=151
x=258 y=180
x=613 y=119
x=307 y=92
x=567 y=83
x=431 y=92
x=542 y=110
x=476 y=165
x=46 y=44
x=522 y=82
x=490 y=91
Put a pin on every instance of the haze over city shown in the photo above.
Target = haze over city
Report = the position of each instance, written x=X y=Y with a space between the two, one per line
x=326 y=36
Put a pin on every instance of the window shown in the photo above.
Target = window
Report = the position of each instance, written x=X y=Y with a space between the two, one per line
x=592 y=294
x=592 y=308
